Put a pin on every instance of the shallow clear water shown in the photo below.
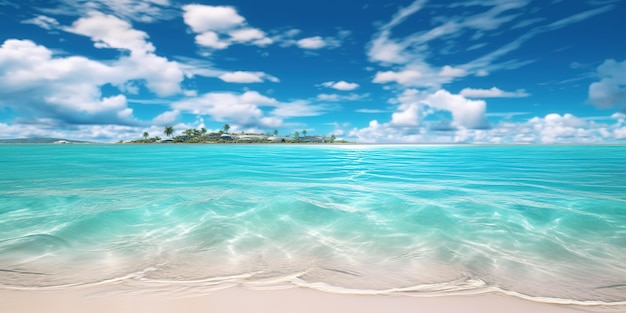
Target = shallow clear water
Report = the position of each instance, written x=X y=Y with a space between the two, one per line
x=548 y=222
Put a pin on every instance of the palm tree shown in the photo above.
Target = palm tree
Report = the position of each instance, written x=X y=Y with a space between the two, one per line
x=145 y=135
x=332 y=138
x=296 y=135
x=304 y=133
x=169 y=131
x=203 y=131
x=275 y=132
x=188 y=132
x=226 y=128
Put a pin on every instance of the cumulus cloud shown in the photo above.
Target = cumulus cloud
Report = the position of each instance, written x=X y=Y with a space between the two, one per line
x=415 y=105
x=243 y=77
x=108 y=31
x=166 y=118
x=449 y=71
x=312 y=43
x=288 y=39
x=68 y=89
x=211 y=40
x=409 y=122
x=555 y=128
x=248 y=110
x=466 y=113
x=406 y=77
x=161 y=76
x=341 y=85
x=610 y=91
x=243 y=109
x=218 y=27
x=202 y=18
x=493 y=92
x=420 y=75
x=252 y=35
x=552 y=128
x=62 y=88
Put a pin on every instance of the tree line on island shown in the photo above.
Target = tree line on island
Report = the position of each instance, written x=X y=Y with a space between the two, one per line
x=201 y=135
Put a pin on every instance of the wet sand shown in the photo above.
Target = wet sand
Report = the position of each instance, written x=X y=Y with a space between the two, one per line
x=237 y=299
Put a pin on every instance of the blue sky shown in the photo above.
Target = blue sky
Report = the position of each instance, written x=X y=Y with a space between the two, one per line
x=483 y=71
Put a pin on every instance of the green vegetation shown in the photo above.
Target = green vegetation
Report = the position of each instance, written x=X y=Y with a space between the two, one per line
x=169 y=131
x=223 y=136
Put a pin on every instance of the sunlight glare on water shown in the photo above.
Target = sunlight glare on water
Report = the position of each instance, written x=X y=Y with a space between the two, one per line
x=541 y=221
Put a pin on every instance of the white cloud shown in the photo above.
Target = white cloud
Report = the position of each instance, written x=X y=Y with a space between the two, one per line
x=253 y=35
x=620 y=133
x=384 y=49
x=166 y=118
x=341 y=85
x=247 y=77
x=610 y=91
x=329 y=97
x=493 y=92
x=419 y=76
x=414 y=106
x=465 y=113
x=212 y=40
x=144 y=11
x=409 y=115
x=312 y=43
x=67 y=89
x=299 y=108
x=42 y=21
x=370 y=111
x=219 y=27
x=108 y=31
x=553 y=128
x=204 y=18
x=52 y=129
x=414 y=56
x=450 y=71
x=60 y=88
x=482 y=73
x=333 y=97
x=161 y=76
x=406 y=77
x=619 y=116
x=242 y=109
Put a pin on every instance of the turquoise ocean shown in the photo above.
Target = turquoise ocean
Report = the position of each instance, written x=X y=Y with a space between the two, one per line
x=546 y=223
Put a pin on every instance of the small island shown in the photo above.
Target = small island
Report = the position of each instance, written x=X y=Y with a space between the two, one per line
x=224 y=136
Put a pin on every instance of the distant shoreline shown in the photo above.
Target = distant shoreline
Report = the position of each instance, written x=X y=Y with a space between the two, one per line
x=55 y=141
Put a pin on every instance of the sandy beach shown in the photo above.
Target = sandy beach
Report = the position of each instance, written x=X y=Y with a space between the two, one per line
x=237 y=299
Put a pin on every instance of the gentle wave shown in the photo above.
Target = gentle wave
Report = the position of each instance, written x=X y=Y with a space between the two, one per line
x=538 y=222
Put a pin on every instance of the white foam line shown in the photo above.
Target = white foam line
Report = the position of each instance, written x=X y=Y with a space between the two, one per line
x=135 y=275
x=473 y=287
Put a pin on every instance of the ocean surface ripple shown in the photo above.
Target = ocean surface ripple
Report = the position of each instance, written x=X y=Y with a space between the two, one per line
x=542 y=222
